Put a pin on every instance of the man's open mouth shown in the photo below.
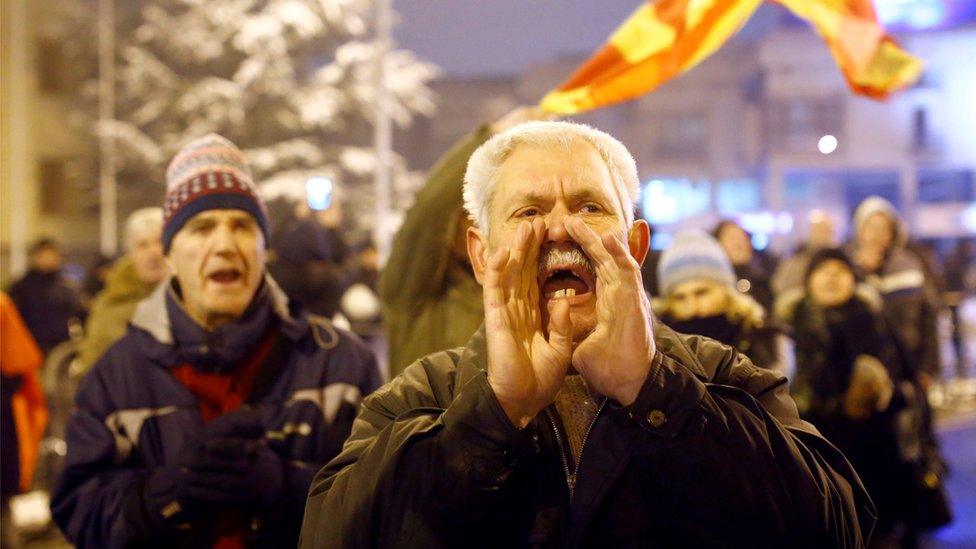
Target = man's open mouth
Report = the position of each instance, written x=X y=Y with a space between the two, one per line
x=566 y=281
x=225 y=276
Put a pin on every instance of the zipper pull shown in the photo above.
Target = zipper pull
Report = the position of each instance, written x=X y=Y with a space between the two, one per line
x=571 y=483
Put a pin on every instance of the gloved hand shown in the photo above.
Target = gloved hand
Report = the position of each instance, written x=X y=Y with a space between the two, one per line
x=230 y=463
x=869 y=389
x=239 y=471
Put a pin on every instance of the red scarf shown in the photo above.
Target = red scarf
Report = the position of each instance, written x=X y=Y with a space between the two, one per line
x=218 y=394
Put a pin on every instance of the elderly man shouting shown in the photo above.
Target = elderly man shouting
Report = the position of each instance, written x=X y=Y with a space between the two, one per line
x=204 y=425
x=573 y=418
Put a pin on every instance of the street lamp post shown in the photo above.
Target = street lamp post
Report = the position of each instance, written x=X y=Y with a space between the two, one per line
x=108 y=214
x=19 y=157
x=383 y=130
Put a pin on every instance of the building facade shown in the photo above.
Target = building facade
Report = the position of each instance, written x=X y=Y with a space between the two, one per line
x=766 y=130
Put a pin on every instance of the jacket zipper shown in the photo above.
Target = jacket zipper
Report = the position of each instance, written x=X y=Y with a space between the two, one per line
x=571 y=476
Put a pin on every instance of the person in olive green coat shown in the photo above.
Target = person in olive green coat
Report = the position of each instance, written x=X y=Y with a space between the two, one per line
x=131 y=279
x=431 y=300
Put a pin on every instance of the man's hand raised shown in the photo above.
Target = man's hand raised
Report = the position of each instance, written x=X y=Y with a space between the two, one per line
x=616 y=357
x=525 y=369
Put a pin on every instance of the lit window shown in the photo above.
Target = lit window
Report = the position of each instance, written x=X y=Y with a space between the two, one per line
x=936 y=186
x=735 y=196
x=671 y=200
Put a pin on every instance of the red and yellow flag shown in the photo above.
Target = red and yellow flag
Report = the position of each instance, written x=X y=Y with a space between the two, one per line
x=665 y=38
x=871 y=61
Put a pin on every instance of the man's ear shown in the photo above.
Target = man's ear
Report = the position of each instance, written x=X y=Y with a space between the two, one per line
x=477 y=253
x=639 y=240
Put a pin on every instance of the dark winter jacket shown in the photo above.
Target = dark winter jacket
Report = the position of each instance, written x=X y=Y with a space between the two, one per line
x=133 y=416
x=828 y=342
x=48 y=305
x=748 y=330
x=711 y=454
x=310 y=264
x=763 y=344
x=911 y=306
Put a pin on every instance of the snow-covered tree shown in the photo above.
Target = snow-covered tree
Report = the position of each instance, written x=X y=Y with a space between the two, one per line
x=292 y=82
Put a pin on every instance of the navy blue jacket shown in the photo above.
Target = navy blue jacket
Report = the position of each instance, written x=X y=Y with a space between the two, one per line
x=133 y=416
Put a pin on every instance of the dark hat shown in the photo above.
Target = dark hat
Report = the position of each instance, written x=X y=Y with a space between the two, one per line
x=209 y=173
x=826 y=254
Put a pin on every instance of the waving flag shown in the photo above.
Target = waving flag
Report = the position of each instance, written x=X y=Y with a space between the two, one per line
x=871 y=61
x=665 y=38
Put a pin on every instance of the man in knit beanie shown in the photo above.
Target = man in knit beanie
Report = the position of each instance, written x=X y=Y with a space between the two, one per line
x=204 y=424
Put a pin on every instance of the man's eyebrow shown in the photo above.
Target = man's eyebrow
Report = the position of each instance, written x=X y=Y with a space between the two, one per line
x=242 y=217
x=200 y=221
x=534 y=196
x=589 y=193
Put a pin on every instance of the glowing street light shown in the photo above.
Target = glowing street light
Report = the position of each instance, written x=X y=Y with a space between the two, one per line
x=827 y=144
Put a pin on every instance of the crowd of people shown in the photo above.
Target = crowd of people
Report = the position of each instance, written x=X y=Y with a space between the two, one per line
x=225 y=395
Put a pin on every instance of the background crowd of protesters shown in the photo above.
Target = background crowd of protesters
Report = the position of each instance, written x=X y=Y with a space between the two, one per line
x=854 y=324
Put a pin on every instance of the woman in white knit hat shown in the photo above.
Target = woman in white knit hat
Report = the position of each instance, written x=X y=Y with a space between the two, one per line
x=698 y=296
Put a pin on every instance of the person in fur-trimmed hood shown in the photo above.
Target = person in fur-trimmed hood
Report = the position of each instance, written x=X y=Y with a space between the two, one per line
x=698 y=296
x=910 y=299
x=204 y=425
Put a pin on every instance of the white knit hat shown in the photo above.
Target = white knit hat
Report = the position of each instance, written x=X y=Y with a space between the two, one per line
x=693 y=255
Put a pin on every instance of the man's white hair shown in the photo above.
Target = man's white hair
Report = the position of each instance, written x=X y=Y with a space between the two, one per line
x=479 y=179
x=141 y=220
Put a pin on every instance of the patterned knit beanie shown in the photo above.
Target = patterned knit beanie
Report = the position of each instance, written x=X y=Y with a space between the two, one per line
x=209 y=173
x=693 y=255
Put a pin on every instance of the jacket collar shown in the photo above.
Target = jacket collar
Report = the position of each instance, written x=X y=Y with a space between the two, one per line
x=601 y=472
x=162 y=317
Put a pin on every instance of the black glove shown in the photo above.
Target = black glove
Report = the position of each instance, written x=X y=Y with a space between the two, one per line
x=235 y=470
x=230 y=462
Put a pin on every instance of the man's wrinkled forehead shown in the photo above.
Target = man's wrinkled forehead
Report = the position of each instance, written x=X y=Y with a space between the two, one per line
x=539 y=173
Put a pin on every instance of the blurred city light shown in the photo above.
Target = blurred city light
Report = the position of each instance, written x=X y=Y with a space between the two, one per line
x=758 y=222
x=760 y=241
x=901 y=15
x=666 y=201
x=658 y=206
x=917 y=14
x=318 y=189
x=969 y=218
x=827 y=144
x=784 y=223
x=736 y=196
x=660 y=241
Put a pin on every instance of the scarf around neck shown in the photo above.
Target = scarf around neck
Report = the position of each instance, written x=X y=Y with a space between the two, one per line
x=221 y=349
